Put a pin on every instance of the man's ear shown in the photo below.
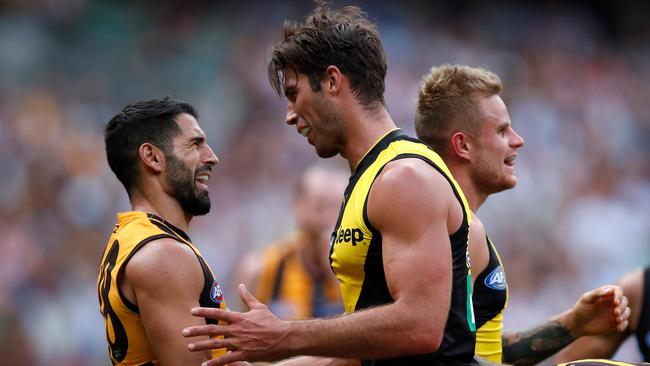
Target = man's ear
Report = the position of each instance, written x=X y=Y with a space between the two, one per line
x=152 y=157
x=462 y=145
x=333 y=80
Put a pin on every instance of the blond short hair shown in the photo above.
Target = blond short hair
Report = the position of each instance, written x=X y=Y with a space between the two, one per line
x=447 y=103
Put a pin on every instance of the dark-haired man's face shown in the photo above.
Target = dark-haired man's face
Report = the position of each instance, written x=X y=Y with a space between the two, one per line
x=315 y=116
x=189 y=167
x=182 y=182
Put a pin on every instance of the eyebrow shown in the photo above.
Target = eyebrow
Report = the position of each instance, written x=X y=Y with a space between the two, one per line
x=197 y=139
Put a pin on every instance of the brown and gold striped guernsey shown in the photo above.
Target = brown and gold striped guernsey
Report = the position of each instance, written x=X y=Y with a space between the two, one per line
x=127 y=341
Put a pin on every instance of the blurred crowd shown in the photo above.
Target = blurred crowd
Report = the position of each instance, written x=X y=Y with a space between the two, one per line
x=576 y=83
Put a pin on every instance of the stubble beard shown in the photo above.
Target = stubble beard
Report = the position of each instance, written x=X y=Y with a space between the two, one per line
x=332 y=132
x=182 y=181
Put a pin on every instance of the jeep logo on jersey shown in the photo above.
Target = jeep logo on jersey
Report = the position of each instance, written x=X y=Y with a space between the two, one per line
x=349 y=235
x=215 y=293
x=496 y=280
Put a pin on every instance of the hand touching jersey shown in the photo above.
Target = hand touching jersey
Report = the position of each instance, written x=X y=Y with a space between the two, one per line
x=251 y=336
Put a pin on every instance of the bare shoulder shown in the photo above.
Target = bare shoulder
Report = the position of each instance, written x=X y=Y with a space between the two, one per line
x=412 y=178
x=164 y=263
x=408 y=189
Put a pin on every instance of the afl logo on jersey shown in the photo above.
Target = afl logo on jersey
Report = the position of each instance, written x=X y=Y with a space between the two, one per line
x=496 y=280
x=215 y=293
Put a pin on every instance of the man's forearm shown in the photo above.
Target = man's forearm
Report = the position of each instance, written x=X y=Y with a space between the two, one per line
x=381 y=332
x=535 y=345
x=317 y=361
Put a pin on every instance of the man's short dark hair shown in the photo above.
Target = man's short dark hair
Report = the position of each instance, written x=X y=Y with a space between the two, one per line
x=342 y=37
x=149 y=121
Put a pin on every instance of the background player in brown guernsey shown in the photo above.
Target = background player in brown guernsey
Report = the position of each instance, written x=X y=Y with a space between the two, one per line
x=461 y=116
x=399 y=248
x=292 y=275
x=151 y=274
x=636 y=285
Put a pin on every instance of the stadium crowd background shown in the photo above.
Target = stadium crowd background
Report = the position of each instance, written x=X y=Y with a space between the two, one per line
x=577 y=82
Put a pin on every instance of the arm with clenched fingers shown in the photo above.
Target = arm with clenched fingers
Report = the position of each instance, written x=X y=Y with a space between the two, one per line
x=599 y=311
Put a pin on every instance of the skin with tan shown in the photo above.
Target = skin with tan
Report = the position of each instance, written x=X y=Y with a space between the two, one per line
x=484 y=165
x=164 y=278
x=415 y=236
x=606 y=345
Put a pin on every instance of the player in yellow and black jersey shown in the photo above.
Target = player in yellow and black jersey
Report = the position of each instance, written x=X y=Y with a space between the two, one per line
x=461 y=116
x=357 y=257
x=151 y=274
x=402 y=261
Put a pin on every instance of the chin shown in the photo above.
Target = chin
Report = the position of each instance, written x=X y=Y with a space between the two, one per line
x=325 y=153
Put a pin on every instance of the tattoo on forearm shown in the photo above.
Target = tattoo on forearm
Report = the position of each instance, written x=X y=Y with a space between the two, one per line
x=533 y=346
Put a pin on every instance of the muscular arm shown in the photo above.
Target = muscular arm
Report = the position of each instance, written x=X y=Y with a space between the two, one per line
x=318 y=361
x=600 y=311
x=604 y=346
x=411 y=205
x=165 y=279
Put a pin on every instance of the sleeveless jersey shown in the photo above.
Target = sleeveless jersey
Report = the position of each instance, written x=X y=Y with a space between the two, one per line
x=643 y=328
x=127 y=341
x=490 y=296
x=356 y=253
x=289 y=290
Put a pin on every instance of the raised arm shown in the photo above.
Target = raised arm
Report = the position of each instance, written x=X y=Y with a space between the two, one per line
x=165 y=279
x=411 y=205
x=605 y=345
x=600 y=311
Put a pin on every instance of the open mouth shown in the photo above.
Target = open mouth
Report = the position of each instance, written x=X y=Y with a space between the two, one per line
x=202 y=179
x=510 y=160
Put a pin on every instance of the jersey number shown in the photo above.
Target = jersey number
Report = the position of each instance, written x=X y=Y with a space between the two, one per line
x=119 y=346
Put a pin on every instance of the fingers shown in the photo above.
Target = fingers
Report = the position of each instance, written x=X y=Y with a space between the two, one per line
x=596 y=295
x=206 y=330
x=216 y=314
x=209 y=344
x=617 y=295
x=247 y=297
x=620 y=308
x=623 y=320
x=225 y=359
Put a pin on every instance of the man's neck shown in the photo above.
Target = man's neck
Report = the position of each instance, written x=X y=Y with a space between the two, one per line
x=163 y=206
x=474 y=195
x=363 y=132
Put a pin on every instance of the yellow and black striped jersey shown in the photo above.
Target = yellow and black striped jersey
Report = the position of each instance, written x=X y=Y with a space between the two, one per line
x=125 y=334
x=356 y=253
x=490 y=297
